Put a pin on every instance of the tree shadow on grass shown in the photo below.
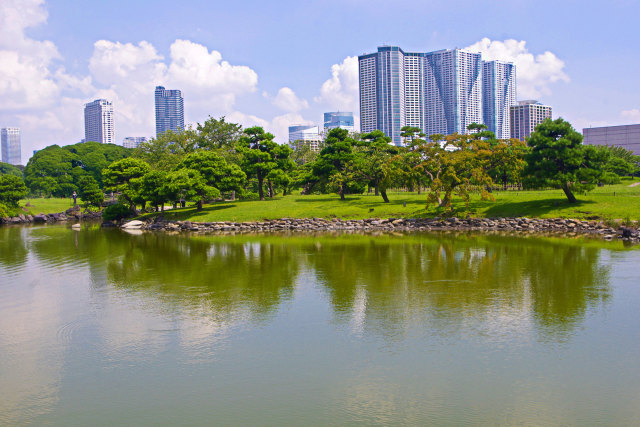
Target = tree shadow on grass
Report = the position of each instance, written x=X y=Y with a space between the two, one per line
x=529 y=207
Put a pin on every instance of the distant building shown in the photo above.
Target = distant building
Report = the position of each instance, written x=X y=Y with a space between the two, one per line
x=133 y=141
x=338 y=119
x=498 y=96
x=98 y=122
x=10 y=146
x=526 y=116
x=438 y=92
x=306 y=133
x=625 y=136
x=169 y=110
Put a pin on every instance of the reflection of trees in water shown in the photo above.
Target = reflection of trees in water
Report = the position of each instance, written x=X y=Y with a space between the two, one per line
x=449 y=279
x=214 y=277
x=13 y=248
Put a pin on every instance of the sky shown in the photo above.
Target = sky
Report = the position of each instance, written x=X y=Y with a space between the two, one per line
x=279 y=63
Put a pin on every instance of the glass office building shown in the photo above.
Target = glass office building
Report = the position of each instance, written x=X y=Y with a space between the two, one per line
x=338 y=119
x=169 y=110
x=439 y=92
x=10 y=146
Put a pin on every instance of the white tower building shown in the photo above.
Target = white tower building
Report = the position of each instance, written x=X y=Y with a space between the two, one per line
x=98 y=122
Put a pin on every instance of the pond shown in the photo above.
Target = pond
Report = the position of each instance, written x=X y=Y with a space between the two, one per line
x=101 y=327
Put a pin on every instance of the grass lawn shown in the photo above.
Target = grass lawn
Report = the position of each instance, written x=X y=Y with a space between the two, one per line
x=610 y=202
x=46 y=206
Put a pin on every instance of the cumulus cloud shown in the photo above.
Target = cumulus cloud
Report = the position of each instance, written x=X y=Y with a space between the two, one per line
x=287 y=100
x=535 y=73
x=340 y=92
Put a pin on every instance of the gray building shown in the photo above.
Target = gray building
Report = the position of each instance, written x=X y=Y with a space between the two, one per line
x=10 y=146
x=526 y=116
x=98 y=122
x=625 y=136
x=169 y=110
x=133 y=141
x=439 y=92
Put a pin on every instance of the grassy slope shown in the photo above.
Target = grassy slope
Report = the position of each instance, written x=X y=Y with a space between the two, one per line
x=600 y=203
x=46 y=206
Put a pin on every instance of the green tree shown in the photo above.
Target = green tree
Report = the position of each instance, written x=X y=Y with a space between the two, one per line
x=303 y=152
x=49 y=172
x=335 y=165
x=190 y=185
x=376 y=161
x=9 y=169
x=152 y=188
x=218 y=134
x=215 y=170
x=558 y=159
x=125 y=177
x=90 y=192
x=12 y=189
x=256 y=147
x=167 y=150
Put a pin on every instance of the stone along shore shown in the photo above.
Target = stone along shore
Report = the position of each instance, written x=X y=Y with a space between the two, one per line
x=525 y=225
x=72 y=214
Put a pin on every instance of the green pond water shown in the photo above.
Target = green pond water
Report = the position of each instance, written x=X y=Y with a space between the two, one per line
x=101 y=327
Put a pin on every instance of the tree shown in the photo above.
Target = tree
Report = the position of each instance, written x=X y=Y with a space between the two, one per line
x=12 y=189
x=167 y=150
x=256 y=147
x=49 y=172
x=303 y=152
x=152 y=188
x=216 y=134
x=9 y=169
x=215 y=170
x=335 y=163
x=124 y=177
x=90 y=192
x=376 y=161
x=558 y=159
x=189 y=184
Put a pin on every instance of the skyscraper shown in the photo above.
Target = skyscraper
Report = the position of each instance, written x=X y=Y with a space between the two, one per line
x=169 y=110
x=526 y=116
x=305 y=133
x=337 y=119
x=98 y=122
x=499 y=95
x=11 y=148
x=438 y=92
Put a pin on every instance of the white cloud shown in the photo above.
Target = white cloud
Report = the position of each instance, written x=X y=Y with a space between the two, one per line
x=535 y=73
x=340 y=92
x=631 y=115
x=287 y=100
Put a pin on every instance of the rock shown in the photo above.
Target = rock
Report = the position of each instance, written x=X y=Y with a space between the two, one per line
x=135 y=224
x=76 y=226
x=40 y=218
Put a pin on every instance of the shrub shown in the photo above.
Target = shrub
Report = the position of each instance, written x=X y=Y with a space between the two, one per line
x=4 y=211
x=116 y=211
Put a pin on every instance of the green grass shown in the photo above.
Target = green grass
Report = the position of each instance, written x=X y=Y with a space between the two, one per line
x=46 y=206
x=600 y=203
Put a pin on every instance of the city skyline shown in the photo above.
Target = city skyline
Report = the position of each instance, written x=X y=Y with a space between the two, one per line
x=55 y=59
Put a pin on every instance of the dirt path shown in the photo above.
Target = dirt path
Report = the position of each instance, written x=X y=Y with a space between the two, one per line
x=635 y=184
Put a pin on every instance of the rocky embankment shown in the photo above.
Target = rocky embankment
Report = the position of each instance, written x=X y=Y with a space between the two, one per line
x=525 y=225
x=72 y=214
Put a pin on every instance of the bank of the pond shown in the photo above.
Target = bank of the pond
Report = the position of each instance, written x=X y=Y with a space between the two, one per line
x=524 y=225
x=71 y=214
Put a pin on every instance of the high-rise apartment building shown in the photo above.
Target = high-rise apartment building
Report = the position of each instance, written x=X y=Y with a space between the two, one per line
x=526 y=116
x=306 y=133
x=133 y=141
x=439 y=92
x=169 y=110
x=10 y=146
x=498 y=96
x=338 y=119
x=98 y=122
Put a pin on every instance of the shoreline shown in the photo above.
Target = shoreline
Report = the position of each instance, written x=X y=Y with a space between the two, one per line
x=516 y=224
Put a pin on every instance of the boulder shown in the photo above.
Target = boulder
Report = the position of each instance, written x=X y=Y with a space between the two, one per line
x=135 y=224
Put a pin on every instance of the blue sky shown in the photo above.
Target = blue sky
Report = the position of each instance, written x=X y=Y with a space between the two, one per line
x=283 y=62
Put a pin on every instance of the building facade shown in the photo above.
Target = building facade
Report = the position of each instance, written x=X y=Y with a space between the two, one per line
x=133 y=141
x=10 y=146
x=525 y=116
x=439 y=92
x=306 y=133
x=498 y=96
x=625 y=136
x=339 y=119
x=169 y=110
x=98 y=122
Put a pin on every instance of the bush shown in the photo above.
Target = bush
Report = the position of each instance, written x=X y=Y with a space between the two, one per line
x=12 y=189
x=117 y=211
x=4 y=211
x=250 y=195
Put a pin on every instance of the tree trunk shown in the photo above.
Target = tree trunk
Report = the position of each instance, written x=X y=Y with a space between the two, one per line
x=270 y=184
x=376 y=189
x=162 y=207
x=568 y=193
x=233 y=195
x=341 y=191
x=199 y=205
x=260 y=190
x=419 y=190
x=383 y=193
